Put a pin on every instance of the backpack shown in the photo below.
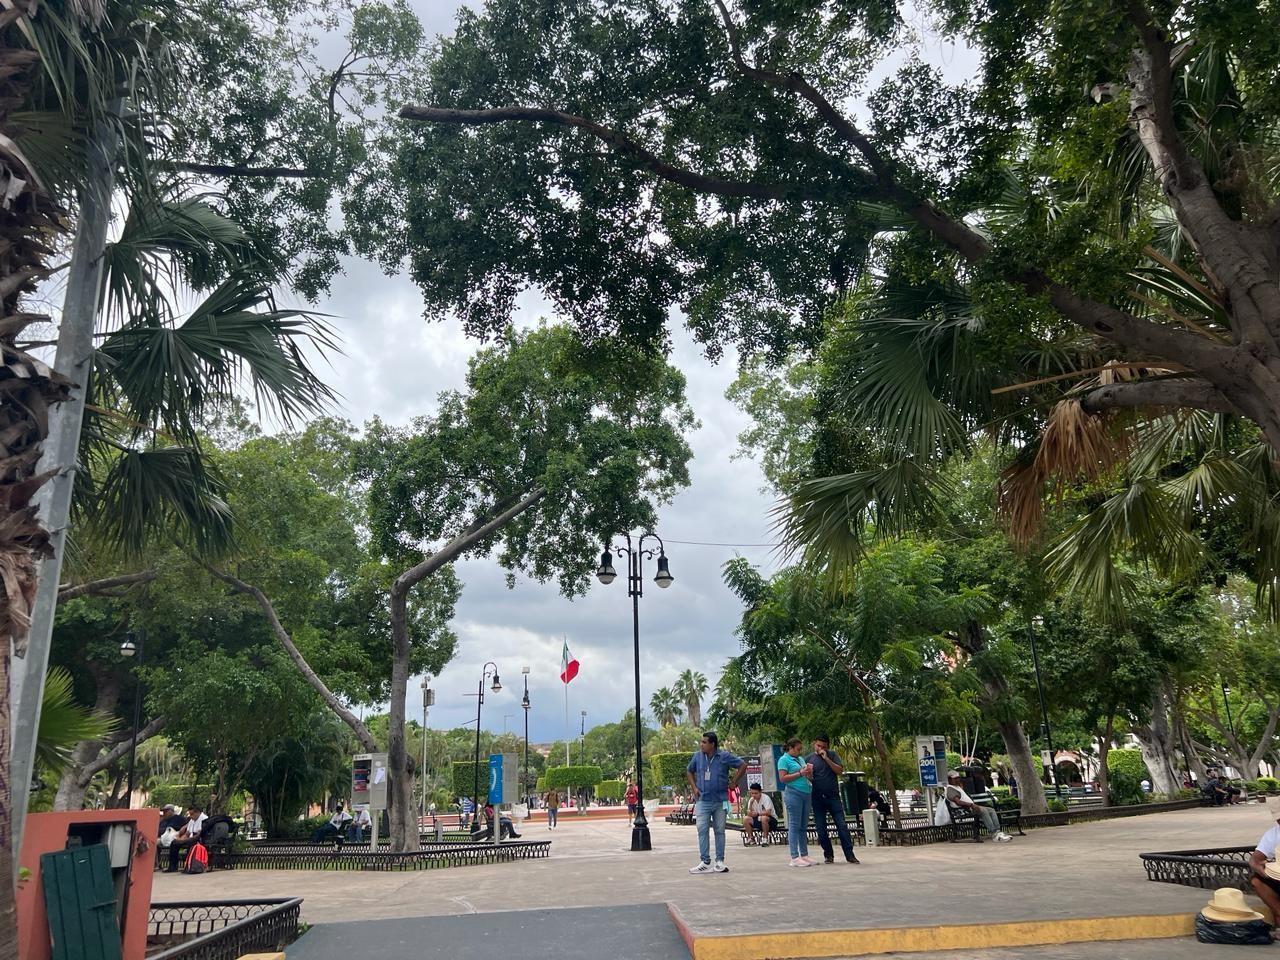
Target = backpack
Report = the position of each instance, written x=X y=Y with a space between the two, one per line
x=197 y=859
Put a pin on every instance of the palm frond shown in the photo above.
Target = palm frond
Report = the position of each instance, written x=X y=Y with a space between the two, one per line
x=829 y=518
x=148 y=496
x=162 y=243
x=64 y=723
x=171 y=375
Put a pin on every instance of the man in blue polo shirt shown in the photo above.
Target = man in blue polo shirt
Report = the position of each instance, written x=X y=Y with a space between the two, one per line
x=710 y=778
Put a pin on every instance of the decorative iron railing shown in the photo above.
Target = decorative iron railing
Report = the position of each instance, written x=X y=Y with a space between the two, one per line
x=324 y=857
x=220 y=929
x=1206 y=869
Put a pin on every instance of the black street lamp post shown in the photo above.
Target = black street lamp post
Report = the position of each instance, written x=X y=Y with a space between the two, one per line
x=635 y=554
x=128 y=649
x=582 y=740
x=525 y=703
x=1044 y=713
x=1227 y=706
x=475 y=777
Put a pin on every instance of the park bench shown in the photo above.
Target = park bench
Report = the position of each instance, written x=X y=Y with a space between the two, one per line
x=1206 y=869
x=967 y=821
x=682 y=814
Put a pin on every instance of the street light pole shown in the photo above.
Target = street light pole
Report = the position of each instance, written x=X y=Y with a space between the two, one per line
x=127 y=648
x=1044 y=713
x=428 y=698
x=524 y=782
x=475 y=774
x=582 y=739
x=640 y=839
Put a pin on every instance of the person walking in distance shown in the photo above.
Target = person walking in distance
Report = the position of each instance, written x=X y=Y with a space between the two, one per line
x=711 y=772
x=632 y=800
x=827 y=768
x=797 y=800
x=552 y=801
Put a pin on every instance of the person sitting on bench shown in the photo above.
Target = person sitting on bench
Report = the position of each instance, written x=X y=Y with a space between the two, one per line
x=761 y=815
x=187 y=837
x=955 y=794
x=336 y=826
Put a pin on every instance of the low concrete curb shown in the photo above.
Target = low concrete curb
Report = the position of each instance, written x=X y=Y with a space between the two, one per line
x=801 y=944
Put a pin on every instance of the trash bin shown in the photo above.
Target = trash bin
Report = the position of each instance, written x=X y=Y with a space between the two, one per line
x=855 y=791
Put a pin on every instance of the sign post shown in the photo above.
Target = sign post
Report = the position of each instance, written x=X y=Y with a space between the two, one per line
x=504 y=788
x=369 y=781
x=931 y=755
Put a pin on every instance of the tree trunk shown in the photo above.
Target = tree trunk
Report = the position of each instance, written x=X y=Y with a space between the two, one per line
x=1156 y=740
x=882 y=751
x=996 y=699
x=404 y=826
x=1104 y=750
x=70 y=795
x=1191 y=761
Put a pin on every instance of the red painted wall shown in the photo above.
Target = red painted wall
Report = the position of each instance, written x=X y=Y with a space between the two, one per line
x=47 y=832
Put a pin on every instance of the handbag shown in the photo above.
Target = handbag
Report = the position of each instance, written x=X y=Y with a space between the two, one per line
x=167 y=838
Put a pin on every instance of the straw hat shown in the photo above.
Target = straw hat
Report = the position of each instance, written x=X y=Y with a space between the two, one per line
x=1228 y=906
x=1272 y=869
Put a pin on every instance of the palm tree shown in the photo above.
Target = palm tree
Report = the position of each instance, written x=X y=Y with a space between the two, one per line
x=665 y=706
x=691 y=687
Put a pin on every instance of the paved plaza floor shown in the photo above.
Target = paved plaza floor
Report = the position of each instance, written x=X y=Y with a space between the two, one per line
x=1052 y=877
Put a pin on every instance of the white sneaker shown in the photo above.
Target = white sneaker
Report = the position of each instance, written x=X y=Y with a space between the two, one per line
x=800 y=862
x=719 y=867
x=1003 y=837
x=702 y=868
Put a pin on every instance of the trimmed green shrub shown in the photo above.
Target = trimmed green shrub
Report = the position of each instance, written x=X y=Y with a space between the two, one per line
x=1269 y=784
x=611 y=789
x=1129 y=761
x=561 y=777
x=954 y=761
x=1125 y=788
x=465 y=778
x=180 y=794
x=668 y=769
x=1002 y=793
x=1058 y=806
x=541 y=785
x=302 y=829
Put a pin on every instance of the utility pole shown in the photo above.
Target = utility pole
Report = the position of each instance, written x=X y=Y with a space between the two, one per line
x=73 y=360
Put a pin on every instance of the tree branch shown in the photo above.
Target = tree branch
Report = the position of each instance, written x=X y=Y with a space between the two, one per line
x=468 y=538
x=88 y=771
x=236 y=170
x=623 y=144
x=1143 y=394
x=70 y=591
x=350 y=719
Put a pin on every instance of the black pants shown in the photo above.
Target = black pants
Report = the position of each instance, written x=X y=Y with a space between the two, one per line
x=177 y=850
x=822 y=805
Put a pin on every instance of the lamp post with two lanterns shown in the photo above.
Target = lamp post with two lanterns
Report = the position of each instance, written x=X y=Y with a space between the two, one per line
x=1036 y=623
x=636 y=552
x=129 y=648
x=475 y=782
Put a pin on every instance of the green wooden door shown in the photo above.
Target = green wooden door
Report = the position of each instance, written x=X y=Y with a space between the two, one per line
x=81 y=901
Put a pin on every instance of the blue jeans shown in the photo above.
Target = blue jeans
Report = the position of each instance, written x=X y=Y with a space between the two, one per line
x=551 y=816
x=710 y=814
x=798 y=805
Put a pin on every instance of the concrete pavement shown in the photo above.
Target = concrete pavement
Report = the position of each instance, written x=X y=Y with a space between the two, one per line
x=1050 y=879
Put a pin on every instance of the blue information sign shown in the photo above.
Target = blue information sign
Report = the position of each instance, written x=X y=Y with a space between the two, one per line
x=495 y=778
x=928 y=772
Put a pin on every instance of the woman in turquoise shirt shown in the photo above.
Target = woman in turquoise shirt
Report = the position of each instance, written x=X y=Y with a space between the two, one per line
x=797 y=799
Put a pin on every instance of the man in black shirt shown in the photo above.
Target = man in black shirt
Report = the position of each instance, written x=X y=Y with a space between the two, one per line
x=827 y=768
x=170 y=817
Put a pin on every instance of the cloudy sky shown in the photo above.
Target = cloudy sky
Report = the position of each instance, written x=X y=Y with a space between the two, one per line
x=396 y=363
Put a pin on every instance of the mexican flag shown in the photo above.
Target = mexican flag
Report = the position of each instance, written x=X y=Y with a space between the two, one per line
x=568 y=664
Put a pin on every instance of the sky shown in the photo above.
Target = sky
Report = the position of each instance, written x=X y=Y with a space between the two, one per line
x=396 y=363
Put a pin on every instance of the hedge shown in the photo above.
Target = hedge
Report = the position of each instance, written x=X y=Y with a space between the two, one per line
x=1130 y=762
x=611 y=789
x=464 y=781
x=541 y=785
x=669 y=768
x=587 y=776
x=180 y=794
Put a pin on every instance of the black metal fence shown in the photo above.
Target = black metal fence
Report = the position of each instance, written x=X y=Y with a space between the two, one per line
x=220 y=929
x=1206 y=869
x=431 y=856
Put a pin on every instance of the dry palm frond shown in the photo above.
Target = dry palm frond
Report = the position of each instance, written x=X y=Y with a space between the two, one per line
x=1074 y=447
